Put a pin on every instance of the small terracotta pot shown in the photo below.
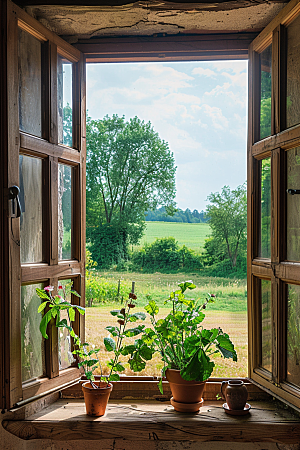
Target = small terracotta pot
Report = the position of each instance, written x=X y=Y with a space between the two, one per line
x=235 y=393
x=185 y=392
x=96 y=399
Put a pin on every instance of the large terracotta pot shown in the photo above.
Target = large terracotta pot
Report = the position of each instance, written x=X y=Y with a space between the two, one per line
x=96 y=399
x=187 y=395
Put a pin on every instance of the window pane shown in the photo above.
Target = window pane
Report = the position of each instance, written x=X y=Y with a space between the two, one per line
x=31 y=222
x=293 y=205
x=266 y=329
x=31 y=338
x=265 y=92
x=265 y=221
x=30 y=83
x=64 y=211
x=293 y=74
x=293 y=335
x=66 y=358
x=64 y=100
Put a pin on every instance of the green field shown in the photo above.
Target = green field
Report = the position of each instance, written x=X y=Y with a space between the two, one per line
x=192 y=235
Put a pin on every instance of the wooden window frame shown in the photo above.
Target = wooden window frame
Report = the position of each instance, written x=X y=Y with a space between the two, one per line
x=277 y=269
x=16 y=142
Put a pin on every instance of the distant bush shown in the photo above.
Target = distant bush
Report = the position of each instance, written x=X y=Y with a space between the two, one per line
x=164 y=255
x=224 y=268
x=107 y=245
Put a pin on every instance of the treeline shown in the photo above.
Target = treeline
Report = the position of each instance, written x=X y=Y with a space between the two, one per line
x=187 y=216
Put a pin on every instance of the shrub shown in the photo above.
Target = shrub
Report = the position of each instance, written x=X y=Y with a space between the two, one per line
x=108 y=245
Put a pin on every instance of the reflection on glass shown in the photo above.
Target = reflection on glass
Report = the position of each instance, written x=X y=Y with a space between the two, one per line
x=293 y=74
x=265 y=92
x=64 y=100
x=293 y=205
x=30 y=83
x=66 y=358
x=31 y=222
x=31 y=338
x=293 y=335
x=265 y=218
x=266 y=329
x=64 y=211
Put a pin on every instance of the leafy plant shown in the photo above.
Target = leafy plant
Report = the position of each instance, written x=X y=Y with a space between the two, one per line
x=182 y=340
x=88 y=358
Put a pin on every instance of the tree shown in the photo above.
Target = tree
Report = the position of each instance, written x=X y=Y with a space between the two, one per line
x=130 y=169
x=227 y=214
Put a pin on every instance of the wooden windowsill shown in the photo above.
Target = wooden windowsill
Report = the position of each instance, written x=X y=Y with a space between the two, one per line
x=144 y=420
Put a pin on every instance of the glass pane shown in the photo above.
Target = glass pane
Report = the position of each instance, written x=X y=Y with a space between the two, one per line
x=293 y=205
x=266 y=330
x=265 y=92
x=64 y=100
x=66 y=358
x=293 y=335
x=30 y=83
x=293 y=74
x=265 y=221
x=31 y=338
x=31 y=222
x=64 y=211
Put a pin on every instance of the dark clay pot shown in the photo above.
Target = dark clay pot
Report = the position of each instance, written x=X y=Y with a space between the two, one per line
x=187 y=395
x=96 y=399
x=235 y=393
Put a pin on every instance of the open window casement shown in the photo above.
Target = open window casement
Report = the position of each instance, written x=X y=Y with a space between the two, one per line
x=274 y=207
x=45 y=151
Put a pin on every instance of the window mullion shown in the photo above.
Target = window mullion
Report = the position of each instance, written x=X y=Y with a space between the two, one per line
x=54 y=209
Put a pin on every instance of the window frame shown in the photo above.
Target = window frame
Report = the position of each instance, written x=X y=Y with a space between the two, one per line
x=51 y=270
x=276 y=269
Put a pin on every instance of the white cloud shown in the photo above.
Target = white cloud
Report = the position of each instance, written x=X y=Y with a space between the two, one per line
x=204 y=72
x=219 y=121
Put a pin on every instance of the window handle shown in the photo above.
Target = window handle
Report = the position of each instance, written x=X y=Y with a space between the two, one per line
x=293 y=191
x=15 y=206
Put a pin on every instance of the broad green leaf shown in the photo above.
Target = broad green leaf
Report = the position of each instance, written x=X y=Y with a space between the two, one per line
x=152 y=308
x=42 y=307
x=42 y=294
x=44 y=322
x=139 y=315
x=80 y=309
x=91 y=362
x=226 y=347
x=128 y=350
x=114 y=331
x=160 y=386
x=75 y=293
x=114 y=377
x=133 y=331
x=115 y=312
x=119 y=367
x=136 y=363
x=62 y=323
x=186 y=285
x=72 y=314
x=146 y=352
x=110 y=344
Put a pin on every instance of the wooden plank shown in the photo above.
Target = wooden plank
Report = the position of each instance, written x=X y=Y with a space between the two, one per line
x=288 y=271
x=262 y=271
x=286 y=140
x=42 y=385
x=144 y=421
x=276 y=237
x=40 y=272
x=284 y=17
x=37 y=146
x=285 y=392
x=13 y=361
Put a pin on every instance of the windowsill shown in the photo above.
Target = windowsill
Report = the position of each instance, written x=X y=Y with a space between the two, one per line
x=144 y=420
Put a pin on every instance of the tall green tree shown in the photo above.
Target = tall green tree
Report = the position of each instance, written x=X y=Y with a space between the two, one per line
x=227 y=214
x=130 y=169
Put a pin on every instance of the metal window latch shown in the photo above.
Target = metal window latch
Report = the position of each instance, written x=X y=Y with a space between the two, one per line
x=293 y=191
x=15 y=209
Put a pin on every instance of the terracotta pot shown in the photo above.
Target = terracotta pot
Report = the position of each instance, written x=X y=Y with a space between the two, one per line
x=235 y=393
x=96 y=399
x=187 y=393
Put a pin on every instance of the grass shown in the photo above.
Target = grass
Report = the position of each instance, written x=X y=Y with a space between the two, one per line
x=192 y=235
x=229 y=312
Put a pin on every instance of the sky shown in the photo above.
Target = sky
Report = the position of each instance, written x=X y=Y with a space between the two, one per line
x=199 y=108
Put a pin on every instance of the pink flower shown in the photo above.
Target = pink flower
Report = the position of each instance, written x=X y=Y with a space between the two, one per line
x=60 y=287
x=58 y=296
x=49 y=288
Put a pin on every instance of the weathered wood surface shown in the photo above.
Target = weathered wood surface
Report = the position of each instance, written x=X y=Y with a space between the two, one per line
x=143 y=421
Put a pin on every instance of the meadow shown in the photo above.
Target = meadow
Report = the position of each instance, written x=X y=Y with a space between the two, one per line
x=192 y=235
x=228 y=312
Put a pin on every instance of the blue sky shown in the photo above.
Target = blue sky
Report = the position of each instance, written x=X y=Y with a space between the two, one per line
x=199 y=108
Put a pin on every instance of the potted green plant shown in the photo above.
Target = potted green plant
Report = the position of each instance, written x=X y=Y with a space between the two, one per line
x=186 y=346
x=96 y=393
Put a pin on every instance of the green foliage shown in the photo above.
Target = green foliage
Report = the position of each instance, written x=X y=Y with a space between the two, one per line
x=163 y=214
x=180 y=338
x=130 y=169
x=108 y=244
x=227 y=213
x=164 y=255
x=101 y=290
